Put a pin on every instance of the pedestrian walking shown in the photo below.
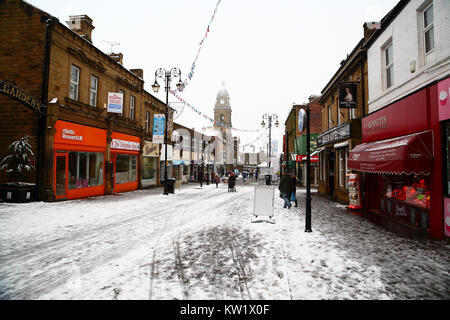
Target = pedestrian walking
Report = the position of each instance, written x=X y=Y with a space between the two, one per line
x=286 y=188
x=217 y=180
x=294 y=190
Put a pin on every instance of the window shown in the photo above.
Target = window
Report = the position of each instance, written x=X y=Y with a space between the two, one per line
x=74 y=82
x=428 y=25
x=94 y=89
x=330 y=122
x=132 y=105
x=123 y=94
x=342 y=167
x=126 y=168
x=85 y=170
x=352 y=114
x=389 y=66
x=147 y=121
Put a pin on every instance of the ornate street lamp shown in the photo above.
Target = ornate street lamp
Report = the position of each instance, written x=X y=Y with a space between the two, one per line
x=269 y=118
x=167 y=76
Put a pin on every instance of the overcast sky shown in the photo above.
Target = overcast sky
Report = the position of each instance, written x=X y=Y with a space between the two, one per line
x=270 y=54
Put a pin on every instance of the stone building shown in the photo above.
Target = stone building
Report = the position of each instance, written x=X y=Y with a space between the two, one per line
x=81 y=149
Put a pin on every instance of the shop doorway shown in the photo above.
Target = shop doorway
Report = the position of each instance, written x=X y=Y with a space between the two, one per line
x=61 y=174
x=331 y=161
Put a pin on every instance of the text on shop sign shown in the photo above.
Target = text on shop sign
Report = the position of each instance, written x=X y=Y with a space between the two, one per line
x=125 y=145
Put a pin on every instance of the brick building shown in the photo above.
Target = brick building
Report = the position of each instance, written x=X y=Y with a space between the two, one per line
x=81 y=149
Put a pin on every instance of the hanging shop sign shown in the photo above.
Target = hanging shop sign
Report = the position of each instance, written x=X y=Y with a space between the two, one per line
x=348 y=95
x=115 y=102
x=301 y=120
x=336 y=134
x=22 y=97
x=159 y=124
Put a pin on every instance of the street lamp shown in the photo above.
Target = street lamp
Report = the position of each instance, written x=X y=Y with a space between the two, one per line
x=168 y=76
x=263 y=124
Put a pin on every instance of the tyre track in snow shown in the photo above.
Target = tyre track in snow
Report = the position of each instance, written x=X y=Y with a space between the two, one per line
x=28 y=273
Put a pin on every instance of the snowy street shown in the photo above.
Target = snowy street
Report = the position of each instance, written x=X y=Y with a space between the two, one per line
x=200 y=244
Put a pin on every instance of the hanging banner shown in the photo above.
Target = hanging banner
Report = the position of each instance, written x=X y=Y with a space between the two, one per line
x=115 y=102
x=348 y=95
x=158 y=128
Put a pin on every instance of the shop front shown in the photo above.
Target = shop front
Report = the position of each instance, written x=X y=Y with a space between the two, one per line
x=150 y=159
x=400 y=162
x=124 y=156
x=334 y=146
x=79 y=161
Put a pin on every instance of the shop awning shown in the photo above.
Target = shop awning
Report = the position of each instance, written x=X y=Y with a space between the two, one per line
x=179 y=163
x=411 y=154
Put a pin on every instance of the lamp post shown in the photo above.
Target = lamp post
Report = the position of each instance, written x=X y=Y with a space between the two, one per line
x=308 y=172
x=167 y=76
x=269 y=119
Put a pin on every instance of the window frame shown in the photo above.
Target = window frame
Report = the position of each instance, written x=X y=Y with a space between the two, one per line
x=93 y=92
x=330 y=121
x=429 y=28
x=388 y=67
x=132 y=107
x=147 y=121
x=76 y=85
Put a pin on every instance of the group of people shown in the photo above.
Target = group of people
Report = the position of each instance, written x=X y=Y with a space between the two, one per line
x=288 y=189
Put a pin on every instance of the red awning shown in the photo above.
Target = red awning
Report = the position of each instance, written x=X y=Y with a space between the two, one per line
x=411 y=154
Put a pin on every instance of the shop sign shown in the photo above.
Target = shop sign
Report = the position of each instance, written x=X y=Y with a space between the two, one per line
x=300 y=158
x=69 y=134
x=125 y=145
x=348 y=95
x=338 y=133
x=444 y=99
x=159 y=124
x=115 y=102
x=22 y=97
x=150 y=149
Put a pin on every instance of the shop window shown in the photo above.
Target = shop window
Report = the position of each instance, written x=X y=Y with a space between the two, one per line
x=74 y=82
x=126 y=168
x=342 y=167
x=407 y=197
x=149 y=169
x=185 y=171
x=85 y=170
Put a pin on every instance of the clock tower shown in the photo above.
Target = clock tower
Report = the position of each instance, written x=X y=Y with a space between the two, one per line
x=222 y=109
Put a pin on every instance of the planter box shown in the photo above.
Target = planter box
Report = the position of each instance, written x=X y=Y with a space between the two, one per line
x=18 y=193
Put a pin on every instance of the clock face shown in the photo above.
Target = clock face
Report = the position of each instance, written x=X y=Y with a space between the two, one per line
x=222 y=101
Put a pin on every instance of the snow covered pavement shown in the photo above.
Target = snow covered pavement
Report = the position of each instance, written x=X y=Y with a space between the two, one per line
x=200 y=244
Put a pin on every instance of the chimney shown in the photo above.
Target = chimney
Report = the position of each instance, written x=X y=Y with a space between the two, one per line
x=82 y=25
x=138 y=72
x=117 y=57
x=370 y=28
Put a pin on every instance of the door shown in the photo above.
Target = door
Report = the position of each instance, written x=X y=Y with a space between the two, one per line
x=331 y=164
x=61 y=175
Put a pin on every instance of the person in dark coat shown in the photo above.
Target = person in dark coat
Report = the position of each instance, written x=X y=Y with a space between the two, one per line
x=294 y=190
x=286 y=188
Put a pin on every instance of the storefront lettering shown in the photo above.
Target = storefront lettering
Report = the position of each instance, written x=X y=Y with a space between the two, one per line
x=377 y=124
x=21 y=96
x=125 y=145
x=70 y=134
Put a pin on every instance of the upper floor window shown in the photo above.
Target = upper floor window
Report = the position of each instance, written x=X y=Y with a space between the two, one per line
x=428 y=28
x=93 y=91
x=74 y=82
x=147 y=121
x=123 y=96
x=389 y=65
x=132 y=107
x=352 y=113
x=330 y=122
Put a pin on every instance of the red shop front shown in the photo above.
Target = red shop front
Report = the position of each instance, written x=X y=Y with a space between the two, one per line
x=400 y=162
x=124 y=156
x=79 y=161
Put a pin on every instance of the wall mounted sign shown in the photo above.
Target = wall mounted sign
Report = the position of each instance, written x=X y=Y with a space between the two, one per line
x=150 y=149
x=337 y=133
x=301 y=120
x=444 y=99
x=125 y=145
x=22 y=97
x=348 y=95
x=115 y=102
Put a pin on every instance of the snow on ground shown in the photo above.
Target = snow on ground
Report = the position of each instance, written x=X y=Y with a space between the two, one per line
x=200 y=244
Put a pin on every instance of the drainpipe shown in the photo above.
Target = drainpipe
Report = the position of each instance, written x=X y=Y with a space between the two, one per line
x=42 y=157
x=363 y=92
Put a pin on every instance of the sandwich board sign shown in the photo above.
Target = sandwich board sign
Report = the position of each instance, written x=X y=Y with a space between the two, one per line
x=264 y=202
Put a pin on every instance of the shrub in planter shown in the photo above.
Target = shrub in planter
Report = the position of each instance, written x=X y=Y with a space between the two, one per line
x=16 y=165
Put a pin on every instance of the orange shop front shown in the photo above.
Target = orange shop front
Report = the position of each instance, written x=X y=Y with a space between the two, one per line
x=124 y=156
x=79 y=161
